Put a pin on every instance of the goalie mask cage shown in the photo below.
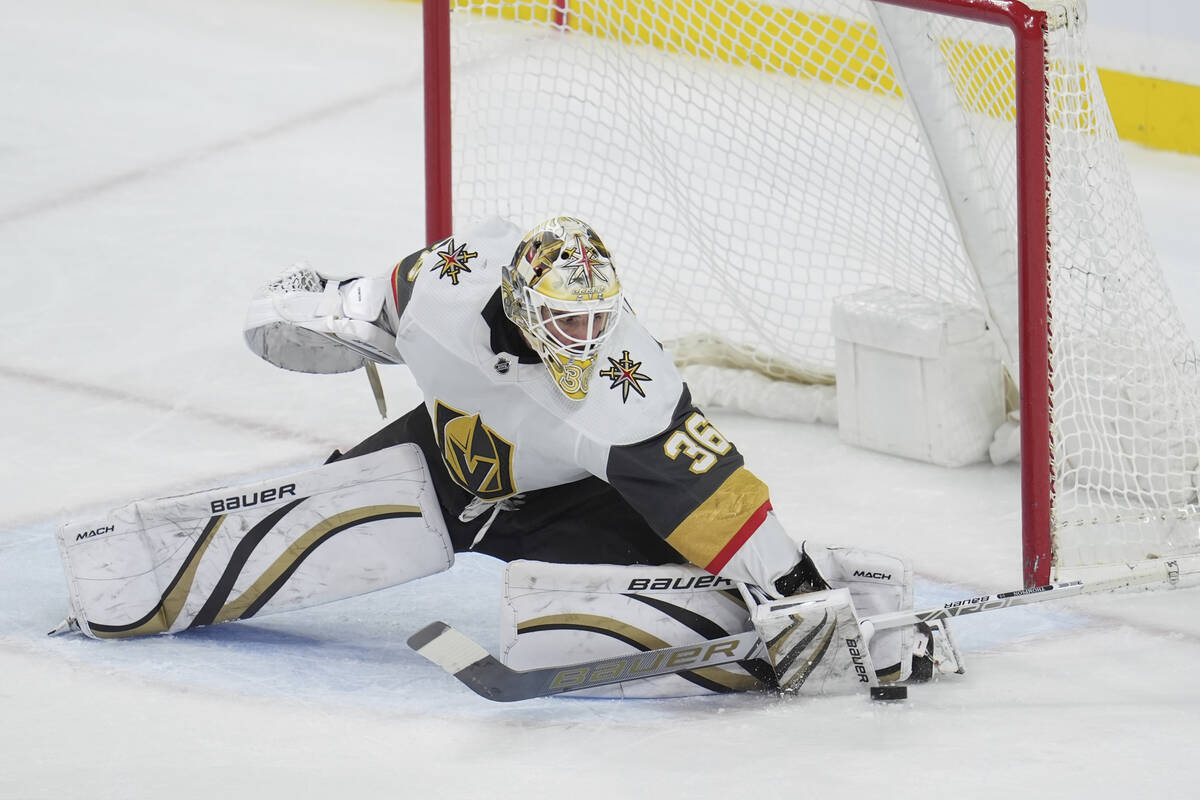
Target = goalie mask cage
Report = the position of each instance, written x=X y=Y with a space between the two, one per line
x=754 y=161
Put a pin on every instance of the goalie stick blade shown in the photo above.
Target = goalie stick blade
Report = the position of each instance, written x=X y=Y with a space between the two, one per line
x=467 y=661
x=487 y=677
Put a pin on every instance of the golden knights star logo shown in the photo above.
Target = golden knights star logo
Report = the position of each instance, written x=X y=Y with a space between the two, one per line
x=624 y=373
x=452 y=261
x=589 y=269
x=479 y=460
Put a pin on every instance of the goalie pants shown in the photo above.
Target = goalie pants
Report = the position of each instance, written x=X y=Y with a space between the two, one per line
x=584 y=522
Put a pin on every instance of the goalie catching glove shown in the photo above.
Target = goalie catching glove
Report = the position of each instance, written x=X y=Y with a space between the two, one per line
x=310 y=321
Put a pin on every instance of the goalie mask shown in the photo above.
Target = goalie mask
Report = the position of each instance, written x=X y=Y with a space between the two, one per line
x=562 y=291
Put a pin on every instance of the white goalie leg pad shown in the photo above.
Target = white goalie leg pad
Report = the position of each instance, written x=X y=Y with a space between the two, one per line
x=815 y=643
x=559 y=614
x=307 y=321
x=878 y=583
x=334 y=531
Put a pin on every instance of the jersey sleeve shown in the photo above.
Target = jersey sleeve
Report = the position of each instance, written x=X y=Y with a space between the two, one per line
x=403 y=278
x=469 y=259
x=692 y=486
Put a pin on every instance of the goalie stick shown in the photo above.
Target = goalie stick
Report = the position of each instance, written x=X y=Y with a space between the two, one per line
x=484 y=674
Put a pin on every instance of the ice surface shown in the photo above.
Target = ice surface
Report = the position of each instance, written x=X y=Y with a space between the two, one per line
x=160 y=160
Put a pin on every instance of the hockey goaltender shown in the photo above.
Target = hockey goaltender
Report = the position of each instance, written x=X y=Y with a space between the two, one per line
x=555 y=435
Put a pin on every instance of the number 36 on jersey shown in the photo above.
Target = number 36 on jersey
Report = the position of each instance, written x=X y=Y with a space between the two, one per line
x=699 y=442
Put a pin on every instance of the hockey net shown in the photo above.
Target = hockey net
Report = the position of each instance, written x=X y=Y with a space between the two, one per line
x=753 y=162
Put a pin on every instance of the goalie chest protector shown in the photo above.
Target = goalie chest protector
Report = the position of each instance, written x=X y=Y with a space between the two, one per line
x=502 y=424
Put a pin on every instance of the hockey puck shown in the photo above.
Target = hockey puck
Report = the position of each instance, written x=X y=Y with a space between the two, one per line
x=889 y=692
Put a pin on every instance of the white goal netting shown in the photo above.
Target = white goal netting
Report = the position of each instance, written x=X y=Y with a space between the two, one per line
x=750 y=163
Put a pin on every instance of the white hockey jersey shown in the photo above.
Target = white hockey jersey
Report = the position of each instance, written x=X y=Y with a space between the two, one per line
x=505 y=428
x=502 y=425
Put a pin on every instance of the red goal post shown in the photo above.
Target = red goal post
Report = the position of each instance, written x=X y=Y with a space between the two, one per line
x=1029 y=34
x=1050 y=467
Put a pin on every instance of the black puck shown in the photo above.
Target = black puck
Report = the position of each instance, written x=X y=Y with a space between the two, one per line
x=889 y=692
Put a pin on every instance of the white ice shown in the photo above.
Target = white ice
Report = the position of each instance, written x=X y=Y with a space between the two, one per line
x=159 y=160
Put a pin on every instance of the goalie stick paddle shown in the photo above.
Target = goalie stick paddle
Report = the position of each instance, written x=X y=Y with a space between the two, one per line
x=484 y=674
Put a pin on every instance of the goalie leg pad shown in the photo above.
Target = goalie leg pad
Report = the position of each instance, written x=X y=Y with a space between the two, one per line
x=559 y=614
x=338 y=530
x=878 y=584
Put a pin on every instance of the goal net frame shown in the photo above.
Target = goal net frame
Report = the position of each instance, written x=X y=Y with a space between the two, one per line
x=1028 y=27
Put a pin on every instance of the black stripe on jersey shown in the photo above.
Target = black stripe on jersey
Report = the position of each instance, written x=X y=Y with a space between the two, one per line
x=664 y=490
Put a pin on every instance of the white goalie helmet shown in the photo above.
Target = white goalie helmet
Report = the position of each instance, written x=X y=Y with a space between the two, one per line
x=562 y=291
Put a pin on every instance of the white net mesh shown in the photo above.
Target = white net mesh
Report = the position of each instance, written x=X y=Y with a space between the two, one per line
x=1126 y=441
x=296 y=278
x=748 y=164
x=680 y=160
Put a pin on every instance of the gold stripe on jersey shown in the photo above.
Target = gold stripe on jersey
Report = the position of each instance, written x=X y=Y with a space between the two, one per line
x=714 y=531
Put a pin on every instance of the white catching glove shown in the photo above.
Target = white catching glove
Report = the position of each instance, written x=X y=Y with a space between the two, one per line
x=308 y=321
